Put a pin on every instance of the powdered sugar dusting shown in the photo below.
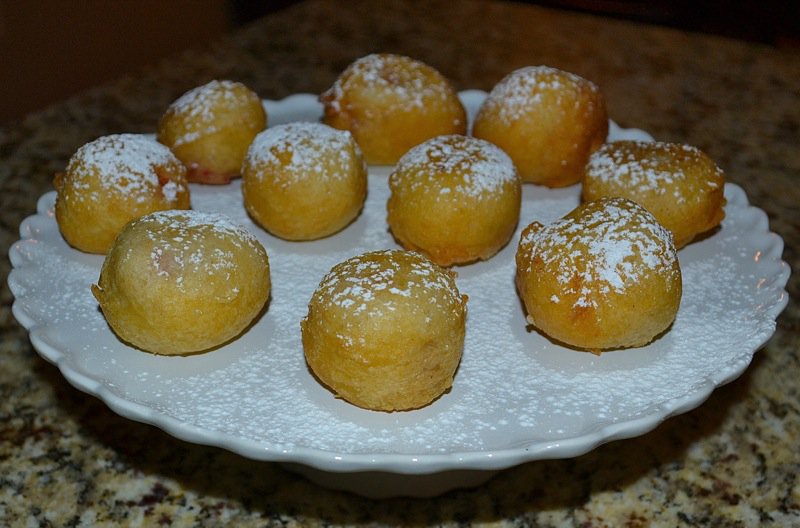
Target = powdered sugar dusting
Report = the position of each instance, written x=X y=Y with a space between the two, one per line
x=170 y=190
x=201 y=105
x=482 y=167
x=196 y=223
x=303 y=149
x=650 y=167
x=179 y=243
x=409 y=83
x=127 y=164
x=615 y=245
x=524 y=90
x=354 y=284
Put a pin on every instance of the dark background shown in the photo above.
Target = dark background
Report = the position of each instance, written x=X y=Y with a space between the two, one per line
x=51 y=49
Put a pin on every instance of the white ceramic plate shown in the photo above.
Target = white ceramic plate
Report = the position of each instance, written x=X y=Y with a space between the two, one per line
x=517 y=397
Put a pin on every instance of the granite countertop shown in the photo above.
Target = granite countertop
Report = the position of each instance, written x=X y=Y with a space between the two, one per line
x=67 y=460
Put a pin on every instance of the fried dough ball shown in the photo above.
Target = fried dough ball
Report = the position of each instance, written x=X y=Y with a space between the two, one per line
x=385 y=330
x=605 y=276
x=679 y=184
x=547 y=120
x=111 y=181
x=391 y=103
x=454 y=198
x=179 y=282
x=304 y=181
x=209 y=128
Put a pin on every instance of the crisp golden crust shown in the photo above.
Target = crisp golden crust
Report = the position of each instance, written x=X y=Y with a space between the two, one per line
x=179 y=282
x=209 y=128
x=304 y=181
x=385 y=330
x=454 y=198
x=604 y=276
x=679 y=184
x=547 y=120
x=111 y=181
x=391 y=103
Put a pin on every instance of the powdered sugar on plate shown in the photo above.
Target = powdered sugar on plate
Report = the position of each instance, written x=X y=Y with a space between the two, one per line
x=516 y=395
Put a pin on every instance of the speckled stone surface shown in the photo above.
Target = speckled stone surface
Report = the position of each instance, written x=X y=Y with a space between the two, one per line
x=67 y=460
